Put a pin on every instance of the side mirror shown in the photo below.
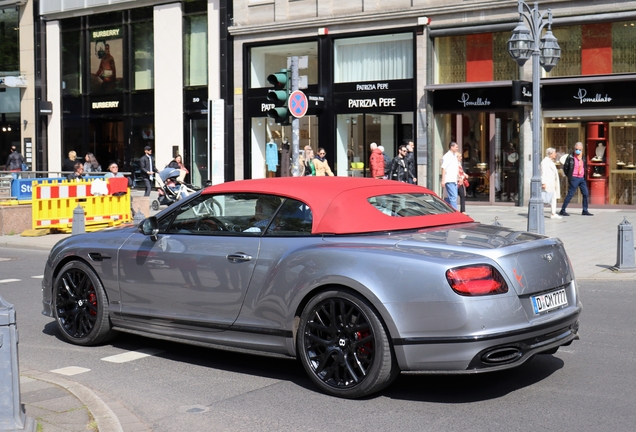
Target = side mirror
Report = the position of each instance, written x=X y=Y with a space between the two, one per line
x=150 y=227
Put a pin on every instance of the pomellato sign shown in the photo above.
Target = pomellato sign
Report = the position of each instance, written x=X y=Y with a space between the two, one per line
x=581 y=96
x=595 y=95
x=465 y=101
x=471 y=99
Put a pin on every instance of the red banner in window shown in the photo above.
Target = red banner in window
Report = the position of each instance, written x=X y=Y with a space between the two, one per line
x=596 y=49
x=479 y=65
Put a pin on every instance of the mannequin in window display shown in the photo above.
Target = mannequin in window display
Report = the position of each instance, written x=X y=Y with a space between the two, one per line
x=511 y=166
x=271 y=158
x=600 y=153
x=284 y=158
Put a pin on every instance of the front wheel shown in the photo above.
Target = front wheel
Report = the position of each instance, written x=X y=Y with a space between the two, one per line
x=155 y=205
x=80 y=305
x=344 y=347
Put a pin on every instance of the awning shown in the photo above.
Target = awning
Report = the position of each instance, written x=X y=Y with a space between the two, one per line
x=13 y=81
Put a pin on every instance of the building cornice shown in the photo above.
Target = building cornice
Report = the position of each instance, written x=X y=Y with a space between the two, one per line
x=409 y=17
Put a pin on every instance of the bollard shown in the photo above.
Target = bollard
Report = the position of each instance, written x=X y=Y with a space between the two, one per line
x=625 y=247
x=79 y=221
x=138 y=218
x=12 y=413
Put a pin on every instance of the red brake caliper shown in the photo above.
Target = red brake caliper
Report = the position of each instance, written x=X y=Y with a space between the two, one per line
x=92 y=298
x=362 y=350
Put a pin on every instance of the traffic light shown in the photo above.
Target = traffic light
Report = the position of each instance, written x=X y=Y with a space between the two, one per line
x=279 y=95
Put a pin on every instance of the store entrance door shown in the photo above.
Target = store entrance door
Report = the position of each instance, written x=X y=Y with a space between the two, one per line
x=357 y=131
x=489 y=145
x=106 y=142
x=198 y=154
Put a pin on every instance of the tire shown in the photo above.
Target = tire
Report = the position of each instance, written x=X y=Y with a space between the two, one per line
x=80 y=306
x=344 y=347
x=155 y=205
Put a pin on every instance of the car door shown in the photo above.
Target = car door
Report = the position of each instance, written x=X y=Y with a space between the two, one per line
x=196 y=273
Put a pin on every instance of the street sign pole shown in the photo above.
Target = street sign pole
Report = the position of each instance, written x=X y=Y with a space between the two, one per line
x=295 y=120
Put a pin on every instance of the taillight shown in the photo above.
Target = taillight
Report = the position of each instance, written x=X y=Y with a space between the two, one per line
x=476 y=280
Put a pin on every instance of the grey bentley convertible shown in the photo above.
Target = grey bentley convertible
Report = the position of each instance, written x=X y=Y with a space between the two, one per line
x=359 y=279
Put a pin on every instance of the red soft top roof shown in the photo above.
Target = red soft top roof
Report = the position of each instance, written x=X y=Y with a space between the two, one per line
x=339 y=204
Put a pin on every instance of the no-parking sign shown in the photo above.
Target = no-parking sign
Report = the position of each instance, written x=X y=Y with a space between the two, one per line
x=298 y=104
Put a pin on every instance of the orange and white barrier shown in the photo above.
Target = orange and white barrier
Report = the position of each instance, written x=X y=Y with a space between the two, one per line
x=53 y=204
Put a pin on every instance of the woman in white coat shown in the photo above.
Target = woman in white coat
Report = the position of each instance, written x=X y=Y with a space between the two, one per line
x=550 y=179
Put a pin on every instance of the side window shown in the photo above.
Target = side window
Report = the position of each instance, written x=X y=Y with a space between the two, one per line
x=293 y=219
x=231 y=214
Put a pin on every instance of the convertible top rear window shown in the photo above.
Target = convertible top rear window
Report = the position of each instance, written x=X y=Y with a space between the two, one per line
x=409 y=204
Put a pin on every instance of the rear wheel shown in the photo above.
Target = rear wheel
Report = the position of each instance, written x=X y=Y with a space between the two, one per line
x=344 y=347
x=80 y=305
x=155 y=205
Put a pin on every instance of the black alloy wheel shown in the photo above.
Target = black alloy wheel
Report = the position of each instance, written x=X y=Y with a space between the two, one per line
x=80 y=305
x=344 y=347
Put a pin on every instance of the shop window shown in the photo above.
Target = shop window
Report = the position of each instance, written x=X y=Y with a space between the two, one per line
x=196 y=50
x=569 y=39
x=71 y=63
x=9 y=50
x=143 y=55
x=470 y=58
x=600 y=48
x=272 y=151
x=623 y=39
x=273 y=58
x=385 y=57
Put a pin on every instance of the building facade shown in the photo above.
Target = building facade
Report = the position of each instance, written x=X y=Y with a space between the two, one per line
x=122 y=75
x=114 y=76
x=432 y=72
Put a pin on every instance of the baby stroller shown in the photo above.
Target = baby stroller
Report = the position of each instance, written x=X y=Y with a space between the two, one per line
x=170 y=188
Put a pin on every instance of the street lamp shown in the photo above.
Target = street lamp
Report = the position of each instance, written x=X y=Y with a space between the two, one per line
x=522 y=44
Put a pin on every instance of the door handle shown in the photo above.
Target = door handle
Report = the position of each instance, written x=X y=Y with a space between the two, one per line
x=239 y=257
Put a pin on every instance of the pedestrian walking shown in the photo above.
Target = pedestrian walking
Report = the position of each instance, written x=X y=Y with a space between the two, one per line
x=450 y=172
x=399 y=170
x=321 y=165
x=411 y=166
x=91 y=165
x=550 y=184
x=148 y=169
x=376 y=162
x=69 y=163
x=575 y=170
x=14 y=162
x=387 y=162
x=462 y=183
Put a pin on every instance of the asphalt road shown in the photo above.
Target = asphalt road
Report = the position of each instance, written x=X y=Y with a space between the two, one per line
x=588 y=386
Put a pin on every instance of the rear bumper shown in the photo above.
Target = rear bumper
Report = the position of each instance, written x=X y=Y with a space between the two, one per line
x=474 y=354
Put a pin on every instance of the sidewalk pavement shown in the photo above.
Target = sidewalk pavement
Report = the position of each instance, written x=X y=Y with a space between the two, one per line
x=59 y=404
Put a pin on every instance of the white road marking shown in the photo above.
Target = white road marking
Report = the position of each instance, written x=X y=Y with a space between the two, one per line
x=37 y=277
x=70 y=370
x=9 y=280
x=132 y=355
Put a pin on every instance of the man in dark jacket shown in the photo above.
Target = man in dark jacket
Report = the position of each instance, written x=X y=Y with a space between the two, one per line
x=148 y=169
x=399 y=170
x=14 y=161
x=575 y=170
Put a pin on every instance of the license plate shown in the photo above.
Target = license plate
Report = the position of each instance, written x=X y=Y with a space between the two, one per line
x=550 y=301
